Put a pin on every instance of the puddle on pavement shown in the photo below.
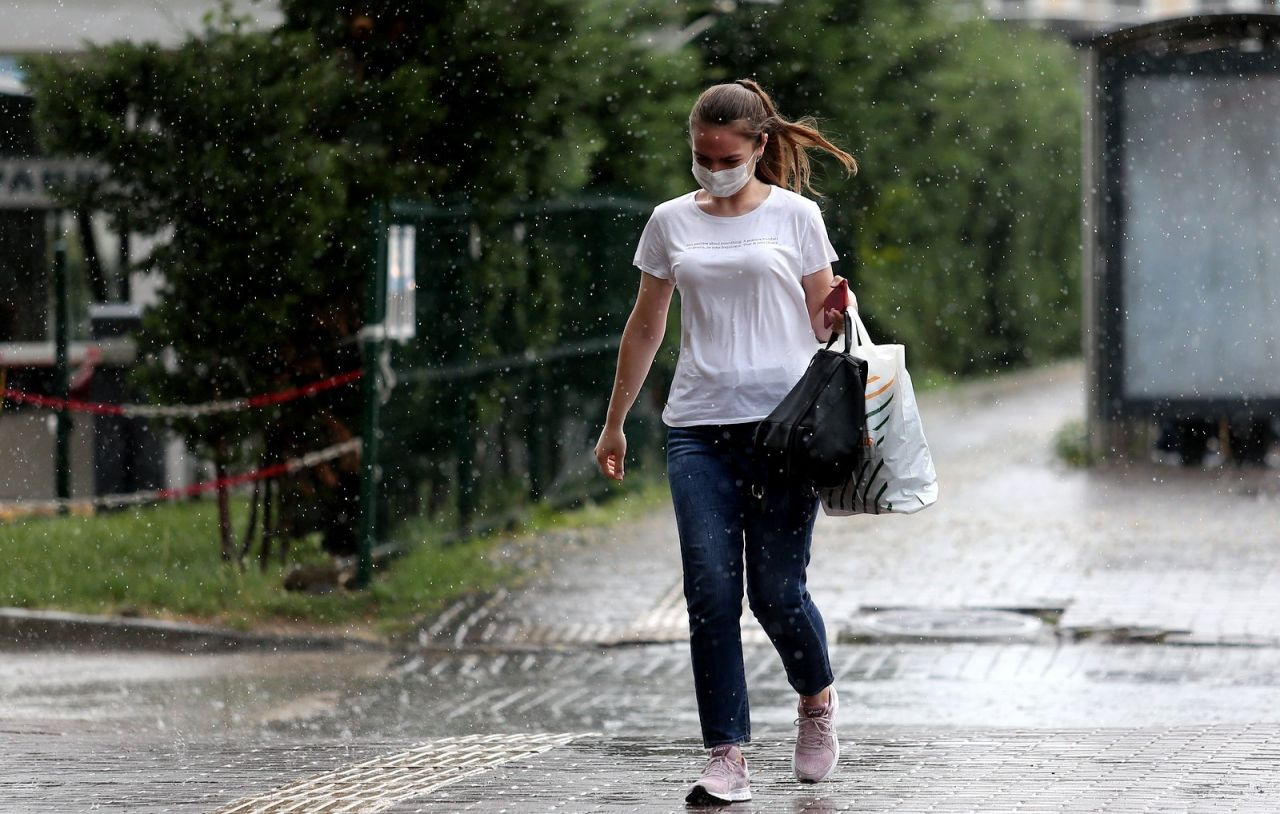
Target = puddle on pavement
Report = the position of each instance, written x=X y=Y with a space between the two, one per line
x=160 y=692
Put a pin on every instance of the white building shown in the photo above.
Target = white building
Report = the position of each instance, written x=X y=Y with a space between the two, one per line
x=64 y=26
x=29 y=224
x=1081 y=19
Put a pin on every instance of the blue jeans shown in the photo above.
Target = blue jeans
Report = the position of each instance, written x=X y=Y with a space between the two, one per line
x=715 y=478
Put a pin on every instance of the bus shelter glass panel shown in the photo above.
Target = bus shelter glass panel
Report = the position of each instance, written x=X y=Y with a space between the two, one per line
x=1201 y=243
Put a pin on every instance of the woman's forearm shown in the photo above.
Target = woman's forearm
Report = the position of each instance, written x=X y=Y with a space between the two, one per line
x=640 y=343
x=821 y=332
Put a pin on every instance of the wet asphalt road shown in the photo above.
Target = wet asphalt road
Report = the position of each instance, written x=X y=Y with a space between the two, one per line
x=1042 y=639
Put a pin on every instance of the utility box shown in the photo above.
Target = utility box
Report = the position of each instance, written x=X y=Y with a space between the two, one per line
x=128 y=455
x=1182 y=226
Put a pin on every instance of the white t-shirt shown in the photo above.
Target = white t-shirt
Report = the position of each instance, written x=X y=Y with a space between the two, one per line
x=745 y=334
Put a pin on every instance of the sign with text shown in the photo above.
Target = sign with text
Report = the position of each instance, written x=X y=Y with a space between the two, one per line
x=30 y=183
x=401 y=319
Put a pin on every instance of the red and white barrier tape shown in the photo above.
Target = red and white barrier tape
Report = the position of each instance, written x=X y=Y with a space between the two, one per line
x=159 y=495
x=182 y=410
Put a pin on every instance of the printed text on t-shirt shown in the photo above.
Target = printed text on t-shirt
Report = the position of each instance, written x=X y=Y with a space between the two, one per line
x=732 y=244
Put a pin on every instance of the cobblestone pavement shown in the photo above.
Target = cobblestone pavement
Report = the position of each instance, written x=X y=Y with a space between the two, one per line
x=1044 y=639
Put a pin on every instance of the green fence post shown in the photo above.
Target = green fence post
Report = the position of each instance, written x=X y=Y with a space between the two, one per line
x=62 y=373
x=536 y=436
x=465 y=448
x=371 y=344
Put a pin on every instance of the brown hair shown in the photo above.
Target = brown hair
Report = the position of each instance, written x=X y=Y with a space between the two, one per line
x=744 y=105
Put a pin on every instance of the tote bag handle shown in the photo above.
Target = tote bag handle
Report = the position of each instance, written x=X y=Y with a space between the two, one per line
x=864 y=338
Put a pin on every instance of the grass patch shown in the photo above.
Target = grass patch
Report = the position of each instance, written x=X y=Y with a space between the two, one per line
x=928 y=380
x=1071 y=443
x=636 y=496
x=163 y=562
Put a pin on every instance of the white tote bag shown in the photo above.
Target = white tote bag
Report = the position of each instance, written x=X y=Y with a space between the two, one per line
x=897 y=474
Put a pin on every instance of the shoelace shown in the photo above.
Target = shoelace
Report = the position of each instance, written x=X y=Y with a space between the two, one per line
x=722 y=766
x=813 y=736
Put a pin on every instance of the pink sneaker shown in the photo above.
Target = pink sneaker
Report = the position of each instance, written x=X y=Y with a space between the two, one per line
x=817 y=748
x=724 y=779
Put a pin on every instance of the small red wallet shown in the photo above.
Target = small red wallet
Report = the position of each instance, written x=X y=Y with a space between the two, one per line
x=837 y=299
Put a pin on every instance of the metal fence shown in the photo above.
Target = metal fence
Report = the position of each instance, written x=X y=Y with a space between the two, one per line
x=495 y=402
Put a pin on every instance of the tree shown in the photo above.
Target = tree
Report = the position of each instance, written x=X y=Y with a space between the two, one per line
x=496 y=102
x=214 y=147
x=500 y=108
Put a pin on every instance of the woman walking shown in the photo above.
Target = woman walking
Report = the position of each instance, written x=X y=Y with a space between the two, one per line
x=752 y=261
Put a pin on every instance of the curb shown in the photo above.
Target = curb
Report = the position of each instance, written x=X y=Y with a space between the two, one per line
x=22 y=629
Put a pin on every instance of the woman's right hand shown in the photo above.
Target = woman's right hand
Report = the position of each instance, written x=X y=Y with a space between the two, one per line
x=611 y=449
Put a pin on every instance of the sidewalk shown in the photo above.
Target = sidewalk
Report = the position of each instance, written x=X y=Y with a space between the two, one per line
x=1044 y=639
x=900 y=769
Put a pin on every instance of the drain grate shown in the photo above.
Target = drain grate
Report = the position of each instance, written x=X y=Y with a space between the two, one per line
x=943 y=624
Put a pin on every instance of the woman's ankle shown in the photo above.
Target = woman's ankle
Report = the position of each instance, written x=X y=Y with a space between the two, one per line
x=817 y=701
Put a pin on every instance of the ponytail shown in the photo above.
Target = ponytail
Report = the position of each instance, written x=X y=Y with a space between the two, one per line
x=785 y=163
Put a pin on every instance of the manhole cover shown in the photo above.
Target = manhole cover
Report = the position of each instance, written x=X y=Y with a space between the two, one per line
x=953 y=623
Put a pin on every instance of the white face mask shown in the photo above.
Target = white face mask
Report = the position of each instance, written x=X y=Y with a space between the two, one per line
x=724 y=183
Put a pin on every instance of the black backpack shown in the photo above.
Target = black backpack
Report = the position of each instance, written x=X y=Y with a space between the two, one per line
x=816 y=434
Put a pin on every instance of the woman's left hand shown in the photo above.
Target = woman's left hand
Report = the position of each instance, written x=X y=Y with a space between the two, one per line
x=826 y=318
x=837 y=321
x=836 y=316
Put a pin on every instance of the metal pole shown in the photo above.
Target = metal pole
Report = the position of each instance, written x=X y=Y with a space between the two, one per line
x=371 y=346
x=123 y=286
x=62 y=372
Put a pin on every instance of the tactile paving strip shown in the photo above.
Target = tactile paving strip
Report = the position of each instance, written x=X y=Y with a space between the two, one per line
x=378 y=784
x=486 y=625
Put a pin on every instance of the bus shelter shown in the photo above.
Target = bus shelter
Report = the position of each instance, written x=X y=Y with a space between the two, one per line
x=1182 y=228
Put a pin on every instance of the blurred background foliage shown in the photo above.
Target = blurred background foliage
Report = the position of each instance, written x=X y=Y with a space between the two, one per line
x=258 y=155
x=961 y=233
